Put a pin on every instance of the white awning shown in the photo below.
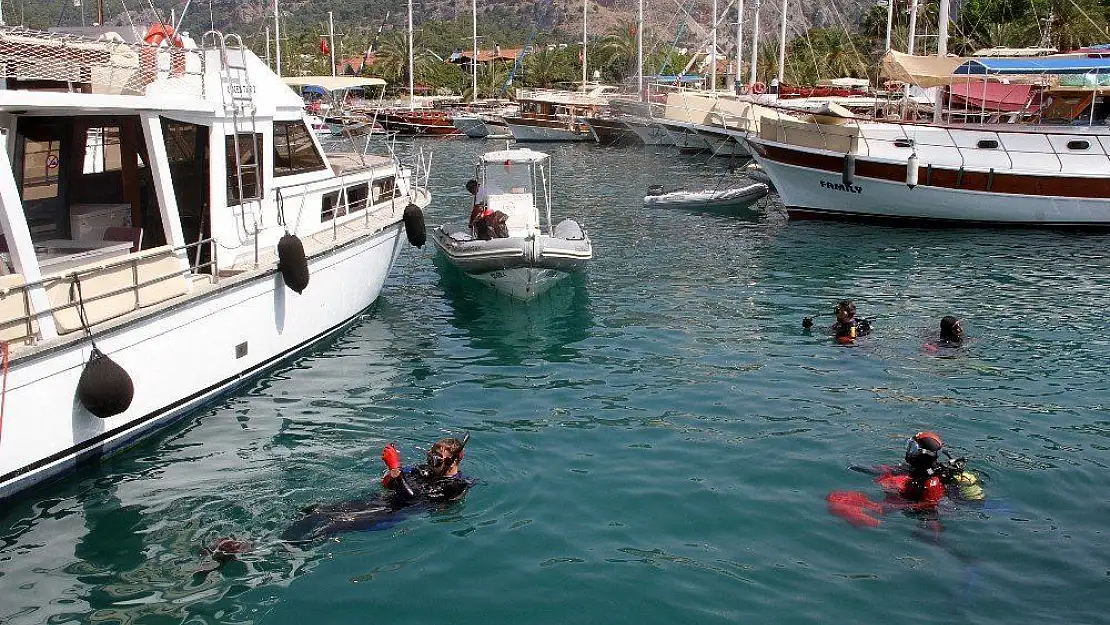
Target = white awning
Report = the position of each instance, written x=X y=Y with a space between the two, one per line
x=519 y=155
x=333 y=83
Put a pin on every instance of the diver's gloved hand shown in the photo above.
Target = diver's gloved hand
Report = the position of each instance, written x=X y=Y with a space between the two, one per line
x=391 y=457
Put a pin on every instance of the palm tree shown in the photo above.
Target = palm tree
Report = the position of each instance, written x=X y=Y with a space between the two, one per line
x=547 y=67
x=491 y=81
x=618 y=49
x=392 y=58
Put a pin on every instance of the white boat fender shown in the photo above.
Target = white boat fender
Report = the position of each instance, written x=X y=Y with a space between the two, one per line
x=911 y=171
x=105 y=389
x=292 y=262
x=414 y=226
x=848 y=175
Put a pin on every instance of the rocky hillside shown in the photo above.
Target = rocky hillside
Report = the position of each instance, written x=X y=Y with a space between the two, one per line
x=558 y=20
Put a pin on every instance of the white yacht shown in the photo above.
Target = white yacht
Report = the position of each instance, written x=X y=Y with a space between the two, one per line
x=535 y=255
x=170 y=227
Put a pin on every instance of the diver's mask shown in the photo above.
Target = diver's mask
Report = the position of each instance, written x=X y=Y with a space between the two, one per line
x=922 y=450
x=438 y=463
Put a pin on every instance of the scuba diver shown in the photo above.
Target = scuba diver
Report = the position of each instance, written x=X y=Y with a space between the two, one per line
x=918 y=485
x=847 y=328
x=432 y=485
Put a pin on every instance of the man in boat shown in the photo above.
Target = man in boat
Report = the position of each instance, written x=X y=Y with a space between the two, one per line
x=916 y=486
x=431 y=485
x=484 y=223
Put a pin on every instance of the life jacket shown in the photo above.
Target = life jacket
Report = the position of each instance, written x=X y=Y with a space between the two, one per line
x=925 y=492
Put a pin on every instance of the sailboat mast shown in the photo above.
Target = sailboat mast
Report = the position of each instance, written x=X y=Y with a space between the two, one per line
x=583 y=45
x=331 y=41
x=782 y=44
x=889 y=23
x=277 y=40
x=755 y=44
x=640 y=51
x=913 y=26
x=474 y=58
x=739 y=43
x=412 y=87
x=713 y=53
x=942 y=51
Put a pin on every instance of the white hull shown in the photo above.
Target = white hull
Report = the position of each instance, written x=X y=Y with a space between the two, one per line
x=685 y=138
x=194 y=343
x=651 y=133
x=723 y=142
x=530 y=133
x=523 y=283
x=809 y=192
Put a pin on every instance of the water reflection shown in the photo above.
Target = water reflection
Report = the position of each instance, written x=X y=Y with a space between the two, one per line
x=547 y=327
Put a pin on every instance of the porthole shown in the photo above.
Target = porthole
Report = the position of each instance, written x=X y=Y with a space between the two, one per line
x=1079 y=145
x=903 y=143
x=987 y=144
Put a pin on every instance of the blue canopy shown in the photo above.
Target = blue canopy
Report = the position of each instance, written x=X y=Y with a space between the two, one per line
x=1036 y=65
x=673 y=78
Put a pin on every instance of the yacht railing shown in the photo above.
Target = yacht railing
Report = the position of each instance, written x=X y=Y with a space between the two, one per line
x=100 y=292
x=108 y=65
x=945 y=145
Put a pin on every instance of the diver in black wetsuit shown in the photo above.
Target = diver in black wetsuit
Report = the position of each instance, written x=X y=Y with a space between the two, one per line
x=435 y=483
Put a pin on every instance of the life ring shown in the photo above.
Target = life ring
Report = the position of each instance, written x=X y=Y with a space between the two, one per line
x=759 y=88
x=161 y=35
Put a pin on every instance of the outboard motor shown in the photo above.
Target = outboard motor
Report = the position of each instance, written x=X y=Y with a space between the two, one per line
x=655 y=189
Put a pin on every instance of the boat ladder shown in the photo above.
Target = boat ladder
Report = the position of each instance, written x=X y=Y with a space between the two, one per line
x=239 y=103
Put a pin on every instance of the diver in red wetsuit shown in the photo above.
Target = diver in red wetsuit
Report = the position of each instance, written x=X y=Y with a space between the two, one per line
x=916 y=486
x=919 y=482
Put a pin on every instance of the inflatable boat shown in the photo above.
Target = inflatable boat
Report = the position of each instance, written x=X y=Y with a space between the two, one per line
x=535 y=254
x=710 y=199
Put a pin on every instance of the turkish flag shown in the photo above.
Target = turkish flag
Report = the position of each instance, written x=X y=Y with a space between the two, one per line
x=324 y=49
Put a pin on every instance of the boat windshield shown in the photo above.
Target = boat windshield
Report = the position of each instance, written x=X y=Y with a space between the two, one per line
x=508 y=177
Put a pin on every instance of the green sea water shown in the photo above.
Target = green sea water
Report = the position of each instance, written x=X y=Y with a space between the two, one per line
x=653 y=441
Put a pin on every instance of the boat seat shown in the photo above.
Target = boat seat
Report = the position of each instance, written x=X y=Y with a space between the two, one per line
x=14 y=310
x=143 y=279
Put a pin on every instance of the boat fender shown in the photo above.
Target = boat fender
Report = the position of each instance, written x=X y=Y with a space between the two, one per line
x=848 y=175
x=414 y=225
x=292 y=262
x=911 y=170
x=104 y=389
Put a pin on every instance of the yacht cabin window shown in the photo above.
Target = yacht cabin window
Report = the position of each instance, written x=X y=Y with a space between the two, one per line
x=294 y=150
x=248 y=164
x=330 y=207
x=384 y=190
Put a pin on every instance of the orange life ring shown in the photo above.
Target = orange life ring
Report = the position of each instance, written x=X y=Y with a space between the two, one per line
x=164 y=35
x=162 y=32
x=759 y=88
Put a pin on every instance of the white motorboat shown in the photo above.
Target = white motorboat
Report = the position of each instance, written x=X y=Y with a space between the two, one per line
x=535 y=255
x=709 y=199
x=207 y=238
x=481 y=126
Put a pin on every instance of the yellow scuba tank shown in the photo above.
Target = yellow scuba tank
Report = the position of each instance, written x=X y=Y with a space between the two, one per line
x=970 y=487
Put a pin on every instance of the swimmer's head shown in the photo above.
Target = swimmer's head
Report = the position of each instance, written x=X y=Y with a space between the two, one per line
x=923 y=450
x=445 y=455
x=845 y=310
x=951 y=330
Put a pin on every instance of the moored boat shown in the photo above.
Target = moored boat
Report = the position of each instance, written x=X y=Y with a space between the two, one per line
x=193 y=235
x=536 y=253
x=733 y=198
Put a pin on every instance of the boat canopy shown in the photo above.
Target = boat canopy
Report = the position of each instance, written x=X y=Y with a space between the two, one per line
x=333 y=83
x=519 y=155
x=1036 y=65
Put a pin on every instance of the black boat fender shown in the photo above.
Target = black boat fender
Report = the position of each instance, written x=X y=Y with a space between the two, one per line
x=414 y=225
x=292 y=262
x=105 y=389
